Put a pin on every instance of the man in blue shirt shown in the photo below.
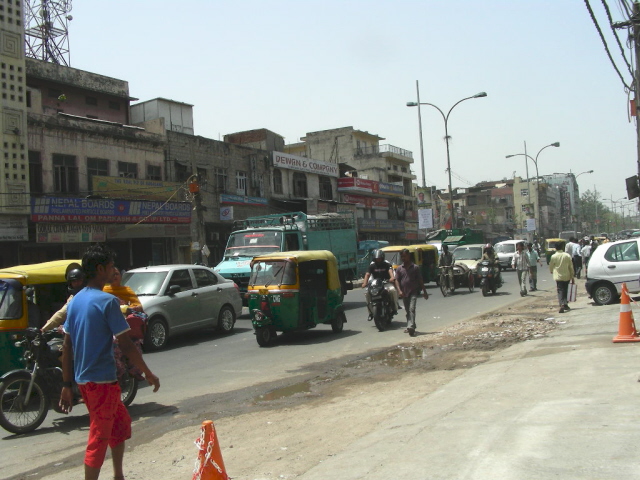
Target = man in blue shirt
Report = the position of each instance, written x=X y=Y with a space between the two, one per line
x=93 y=319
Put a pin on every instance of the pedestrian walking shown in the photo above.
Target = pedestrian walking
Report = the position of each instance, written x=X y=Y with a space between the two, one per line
x=534 y=260
x=586 y=255
x=520 y=262
x=561 y=265
x=410 y=283
x=93 y=319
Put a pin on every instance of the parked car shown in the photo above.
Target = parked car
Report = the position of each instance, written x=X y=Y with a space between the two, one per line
x=178 y=298
x=505 y=251
x=611 y=265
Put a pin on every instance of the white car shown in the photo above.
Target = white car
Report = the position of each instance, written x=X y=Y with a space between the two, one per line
x=611 y=265
x=505 y=251
x=178 y=298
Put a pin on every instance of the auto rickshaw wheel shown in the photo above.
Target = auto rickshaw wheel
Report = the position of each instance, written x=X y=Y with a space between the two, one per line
x=265 y=335
x=337 y=324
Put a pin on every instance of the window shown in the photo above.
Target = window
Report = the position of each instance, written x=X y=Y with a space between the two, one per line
x=127 y=170
x=220 y=179
x=204 y=278
x=182 y=172
x=65 y=174
x=623 y=252
x=154 y=172
x=524 y=192
x=326 y=191
x=277 y=181
x=35 y=172
x=96 y=166
x=241 y=183
x=299 y=185
x=91 y=100
x=182 y=279
x=203 y=177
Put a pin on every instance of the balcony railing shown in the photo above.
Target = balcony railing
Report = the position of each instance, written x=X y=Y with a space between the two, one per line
x=378 y=149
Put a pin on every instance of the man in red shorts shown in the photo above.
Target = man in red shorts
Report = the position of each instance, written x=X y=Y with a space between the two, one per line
x=93 y=319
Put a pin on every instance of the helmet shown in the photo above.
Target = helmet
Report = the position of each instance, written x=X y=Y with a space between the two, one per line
x=488 y=245
x=74 y=272
x=378 y=255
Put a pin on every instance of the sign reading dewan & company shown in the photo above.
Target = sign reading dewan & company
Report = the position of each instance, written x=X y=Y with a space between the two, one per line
x=303 y=164
x=77 y=210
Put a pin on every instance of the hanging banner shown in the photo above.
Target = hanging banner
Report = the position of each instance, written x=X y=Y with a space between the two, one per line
x=425 y=218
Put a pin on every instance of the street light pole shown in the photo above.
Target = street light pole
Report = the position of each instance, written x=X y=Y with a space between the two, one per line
x=446 y=138
x=424 y=178
x=535 y=162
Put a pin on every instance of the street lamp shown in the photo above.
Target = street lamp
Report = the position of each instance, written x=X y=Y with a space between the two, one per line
x=588 y=171
x=535 y=162
x=446 y=137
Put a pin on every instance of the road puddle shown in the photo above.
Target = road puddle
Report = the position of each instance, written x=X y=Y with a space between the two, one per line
x=399 y=355
x=288 y=391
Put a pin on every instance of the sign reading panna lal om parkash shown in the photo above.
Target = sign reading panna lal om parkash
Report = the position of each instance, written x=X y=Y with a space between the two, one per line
x=59 y=209
x=303 y=164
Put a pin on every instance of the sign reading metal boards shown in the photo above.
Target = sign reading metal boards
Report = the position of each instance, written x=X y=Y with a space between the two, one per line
x=425 y=218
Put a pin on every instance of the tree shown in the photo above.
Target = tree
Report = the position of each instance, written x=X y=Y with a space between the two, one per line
x=596 y=217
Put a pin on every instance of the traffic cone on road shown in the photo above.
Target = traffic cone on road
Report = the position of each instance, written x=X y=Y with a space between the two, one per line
x=626 y=327
x=209 y=465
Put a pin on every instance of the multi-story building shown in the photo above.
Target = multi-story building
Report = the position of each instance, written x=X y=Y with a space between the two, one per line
x=14 y=168
x=376 y=178
x=489 y=207
x=92 y=175
x=569 y=199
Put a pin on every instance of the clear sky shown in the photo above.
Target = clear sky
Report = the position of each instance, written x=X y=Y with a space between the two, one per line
x=299 y=66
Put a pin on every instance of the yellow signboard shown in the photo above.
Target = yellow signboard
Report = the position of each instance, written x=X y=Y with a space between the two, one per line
x=136 y=189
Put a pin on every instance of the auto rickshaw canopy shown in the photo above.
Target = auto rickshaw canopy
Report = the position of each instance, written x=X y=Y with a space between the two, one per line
x=39 y=273
x=302 y=256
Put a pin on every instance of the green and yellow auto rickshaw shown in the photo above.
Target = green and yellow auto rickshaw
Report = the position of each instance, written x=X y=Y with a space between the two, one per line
x=550 y=247
x=291 y=291
x=392 y=254
x=29 y=296
x=428 y=261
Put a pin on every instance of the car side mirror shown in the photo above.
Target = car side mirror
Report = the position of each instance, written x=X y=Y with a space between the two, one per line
x=173 y=289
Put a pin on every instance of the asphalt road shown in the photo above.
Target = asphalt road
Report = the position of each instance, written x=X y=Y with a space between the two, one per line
x=208 y=363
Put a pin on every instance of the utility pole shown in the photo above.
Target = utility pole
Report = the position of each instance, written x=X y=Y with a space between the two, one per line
x=595 y=196
x=635 y=21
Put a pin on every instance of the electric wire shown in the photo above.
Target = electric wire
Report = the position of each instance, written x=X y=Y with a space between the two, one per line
x=615 y=34
x=604 y=43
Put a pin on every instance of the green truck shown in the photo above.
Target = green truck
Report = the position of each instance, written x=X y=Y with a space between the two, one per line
x=457 y=236
x=288 y=232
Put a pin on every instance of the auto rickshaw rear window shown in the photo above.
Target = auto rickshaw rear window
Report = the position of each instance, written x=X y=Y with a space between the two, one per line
x=10 y=300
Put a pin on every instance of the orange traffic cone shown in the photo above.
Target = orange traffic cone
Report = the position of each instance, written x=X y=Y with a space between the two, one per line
x=209 y=465
x=627 y=327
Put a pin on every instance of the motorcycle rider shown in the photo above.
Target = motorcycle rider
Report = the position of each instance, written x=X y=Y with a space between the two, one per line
x=489 y=254
x=380 y=268
x=446 y=260
x=75 y=282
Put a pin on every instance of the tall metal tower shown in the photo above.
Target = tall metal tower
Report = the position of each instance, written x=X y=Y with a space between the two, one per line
x=46 y=30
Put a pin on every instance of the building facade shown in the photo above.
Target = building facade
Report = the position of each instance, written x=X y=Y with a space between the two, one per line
x=375 y=179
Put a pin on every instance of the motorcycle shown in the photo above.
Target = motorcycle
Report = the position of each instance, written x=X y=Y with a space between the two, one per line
x=490 y=280
x=27 y=394
x=380 y=303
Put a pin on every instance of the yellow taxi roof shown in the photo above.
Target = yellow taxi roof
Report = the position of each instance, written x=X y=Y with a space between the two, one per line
x=40 y=273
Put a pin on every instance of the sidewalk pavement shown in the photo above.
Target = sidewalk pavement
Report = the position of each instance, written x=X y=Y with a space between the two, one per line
x=562 y=406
